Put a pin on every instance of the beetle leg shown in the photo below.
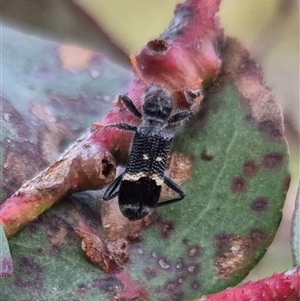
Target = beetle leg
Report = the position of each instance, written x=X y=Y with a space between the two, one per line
x=124 y=126
x=110 y=192
x=130 y=106
x=171 y=184
x=179 y=116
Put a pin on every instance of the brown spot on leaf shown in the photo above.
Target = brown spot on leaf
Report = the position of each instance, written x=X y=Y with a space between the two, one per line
x=108 y=255
x=174 y=290
x=180 y=170
x=250 y=168
x=55 y=250
x=180 y=264
x=167 y=228
x=234 y=257
x=30 y=274
x=260 y=204
x=21 y=164
x=207 y=155
x=33 y=228
x=271 y=129
x=59 y=233
x=151 y=273
x=75 y=58
x=58 y=237
x=53 y=133
x=134 y=237
x=196 y=285
x=286 y=182
x=82 y=289
x=6 y=266
x=43 y=113
x=238 y=185
x=193 y=269
x=15 y=168
x=273 y=161
x=14 y=118
x=132 y=290
x=258 y=236
x=53 y=139
x=194 y=251
x=185 y=241
x=109 y=285
x=222 y=240
x=249 y=81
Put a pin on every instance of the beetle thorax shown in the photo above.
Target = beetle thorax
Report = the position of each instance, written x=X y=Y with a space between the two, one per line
x=158 y=105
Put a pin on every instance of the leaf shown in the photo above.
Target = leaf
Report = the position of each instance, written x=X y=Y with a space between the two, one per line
x=232 y=158
x=198 y=246
x=6 y=266
x=184 y=56
x=232 y=207
x=280 y=286
x=43 y=110
x=296 y=231
x=50 y=94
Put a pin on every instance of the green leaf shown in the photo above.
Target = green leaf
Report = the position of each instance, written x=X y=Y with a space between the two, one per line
x=234 y=171
x=232 y=208
x=51 y=93
x=6 y=266
x=296 y=231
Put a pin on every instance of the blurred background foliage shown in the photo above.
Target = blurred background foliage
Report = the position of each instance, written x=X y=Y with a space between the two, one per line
x=117 y=28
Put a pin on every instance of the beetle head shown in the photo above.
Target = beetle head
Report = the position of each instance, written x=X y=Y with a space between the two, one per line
x=158 y=104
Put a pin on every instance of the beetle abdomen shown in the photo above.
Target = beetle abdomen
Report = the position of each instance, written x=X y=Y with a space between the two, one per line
x=138 y=197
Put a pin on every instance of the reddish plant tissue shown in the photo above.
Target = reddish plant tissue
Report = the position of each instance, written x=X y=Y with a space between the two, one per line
x=279 y=287
x=184 y=56
x=132 y=290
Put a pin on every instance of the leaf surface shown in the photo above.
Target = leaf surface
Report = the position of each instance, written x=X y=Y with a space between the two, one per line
x=6 y=266
x=233 y=161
